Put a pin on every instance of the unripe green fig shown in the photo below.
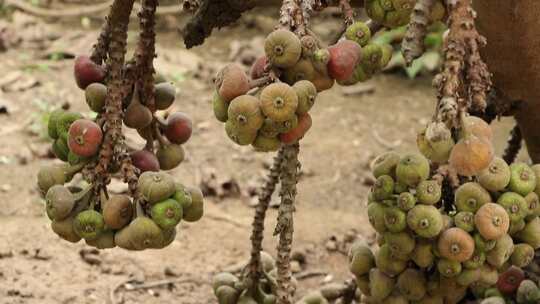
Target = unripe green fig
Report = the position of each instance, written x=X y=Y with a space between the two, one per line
x=483 y=244
x=435 y=142
x=522 y=256
x=156 y=186
x=223 y=279
x=167 y=214
x=117 y=211
x=245 y=113
x=471 y=196
x=400 y=243
x=164 y=95
x=170 y=156
x=363 y=284
x=516 y=226
x=302 y=70
x=489 y=275
x=195 y=211
x=383 y=188
x=122 y=239
x=385 y=164
x=266 y=144
x=496 y=176
x=227 y=295
x=182 y=196
x=428 y=192
x=307 y=93
x=449 y=268
x=464 y=220
x=528 y=292
x=412 y=169
x=279 y=101
x=424 y=220
x=221 y=108
x=59 y=202
x=95 y=94
x=376 y=216
x=515 y=205
x=238 y=136
x=478 y=258
x=395 y=219
x=64 y=121
x=522 y=179
x=52 y=123
x=105 y=240
x=371 y=58
x=49 y=176
x=283 y=48
x=406 y=201
x=64 y=229
x=531 y=233
x=89 y=224
x=422 y=255
x=145 y=233
x=167 y=237
x=501 y=252
x=358 y=32
x=533 y=202
x=380 y=284
x=60 y=149
x=388 y=262
x=456 y=244
x=374 y=10
x=468 y=276
x=361 y=259
x=411 y=283
x=492 y=221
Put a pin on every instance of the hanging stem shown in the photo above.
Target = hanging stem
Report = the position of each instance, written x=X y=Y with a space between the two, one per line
x=146 y=52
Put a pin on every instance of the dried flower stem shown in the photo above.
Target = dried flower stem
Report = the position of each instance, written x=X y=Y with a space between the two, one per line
x=413 y=42
x=146 y=52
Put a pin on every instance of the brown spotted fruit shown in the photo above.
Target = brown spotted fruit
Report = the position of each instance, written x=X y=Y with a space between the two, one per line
x=86 y=71
x=84 y=137
x=95 y=94
x=344 y=56
x=118 y=211
x=232 y=82
x=179 y=128
x=492 y=221
x=471 y=155
x=59 y=202
x=195 y=211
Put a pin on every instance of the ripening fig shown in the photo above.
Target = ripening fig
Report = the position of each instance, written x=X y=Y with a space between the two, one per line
x=196 y=210
x=501 y=252
x=531 y=233
x=361 y=259
x=245 y=113
x=395 y=219
x=492 y=221
x=388 y=262
x=60 y=149
x=297 y=133
x=164 y=95
x=302 y=70
x=89 y=224
x=64 y=121
x=412 y=169
x=468 y=276
x=49 y=176
x=522 y=256
x=400 y=243
x=374 y=10
x=170 y=156
x=286 y=125
x=376 y=213
x=496 y=176
x=231 y=82
x=95 y=95
x=221 y=107
x=144 y=233
x=239 y=135
x=449 y=268
x=411 y=283
x=266 y=144
x=179 y=128
x=436 y=147
x=471 y=155
x=522 y=179
x=510 y=279
x=227 y=295
x=363 y=283
x=283 y=48
x=456 y=244
x=137 y=116
x=54 y=116
x=323 y=82
x=145 y=160
x=64 y=229
x=422 y=255
x=122 y=239
x=86 y=71
x=488 y=275
x=59 y=202
x=380 y=284
x=85 y=137
x=528 y=292
x=344 y=56
x=105 y=240
x=478 y=127
x=428 y=192
x=358 y=32
x=383 y=188
x=464 y=220
x=117 y=211
x=307 y=93
x=167 y=214
x=406 y=201
x=278 y=101
x=257 y=69
x=385 y=164
x=425 y=220
x=533 y=203
x=471 y=196
x=156 y=186
x=223 y=279
x=515 y=205
x=478 y=258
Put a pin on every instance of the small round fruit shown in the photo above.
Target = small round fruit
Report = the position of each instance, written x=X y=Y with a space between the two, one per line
x=95 y=95
x=437 y=149
x=456 y=244
x=502 y=251
x=361 y=259
x=483 y=244
x=358 y=32
x=278 y=101
x=531 y=233
x=383 y=188
x=464 y=220
x=302 y=70
x=380 y=284
x=449 y=268
x=283 y=49
x=522 y=180
x=117 y=211
x=145 y=233
x=297 y=133
x=471 y=196
x=478 y=258
x=167 y=214
x=522 y=256
x=307 y=93
x=385 y=164
x=105 y=240
x=224 y=279
x=164 y=95
x=170 y=156
x=195 y=211
x=137 y=116
x=60 y=149
x=510 y=279
x=245 y=114
x=496 y=176
x=232 y=82
x=478 y=127
x=468 y=276
x=59 y=202
x=86 y=72
x=51 y=124
x=412 y=169
x=266 y=144
x=471 y=155
x=221 y=108
x=400 y=243
x=371 y=58
x=527 y=292
x=428 y=192
x=63 y=123
x=533 y=203
x=388 y=262
x=64 y=229
x=406 y=201
x=156 y=186
x=89 y=224
x=227 y=295
x=239 y=136
x=85 y=137
x=182 y=196
x=145 y=160
x=515 y=205
x=411 y=283
x=492 y=221
x=425 y=220
x=422 y=254
x=344 y=56
x=395 y=219
x=49 y=176
x=257 y=69
x=376 y=216
x=179 y=128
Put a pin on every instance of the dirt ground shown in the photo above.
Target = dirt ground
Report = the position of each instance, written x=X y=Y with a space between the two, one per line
x=349 y=130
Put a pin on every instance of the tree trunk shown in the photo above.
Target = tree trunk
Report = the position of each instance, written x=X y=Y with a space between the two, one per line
x=512 y=28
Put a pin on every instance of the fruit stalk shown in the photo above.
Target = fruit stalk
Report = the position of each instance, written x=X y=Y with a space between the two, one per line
x=291 y=16
x=284 y=227
x=146 y=52
x=514 y=145
x=413 y=42
x=100 y=49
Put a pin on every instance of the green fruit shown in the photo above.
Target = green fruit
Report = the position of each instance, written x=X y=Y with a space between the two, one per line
x=245 y=114
x=51 y=125
x=302 y=70
x=64 y=229
x=428 y=192
x=531 y=233
x=406 y=201
x=536 y=170
x=221 y=107
x=488 y=275
x=278 y=102
x=61 y=149
x=516 y=227
x=164 y=95
x=387 y=53
x=383 y=188
x=533 y=202
x=74 y=159
x=401 y=188
x=501 y=252
x=395 y=220
x=438 y=148
x=376 y=213
x=449 y=268
x=156 y=186
x=363 y=283
x=59 y=202
x=145 y=233
x=105 y=240
x=283 y=48
x=492 y=292
x=167 y=214
x=528 y=292
x=89 y=224
x=242 y=138
x=411 y=283
x=388 y=262
x=182 y=196
x=358 y=32
x=380 y=284
x=95 y=94
x=464 y=220
x=468 y=276
x=168 y=236
x=361 y=259
x=412 y=169
x=495 y=177
x=425 y=220
x=266 y=144
x=522 y=256
x=195 y=211
x=522 y=179
x=307 y=93
x=227 y=295
x=374 y=10
x=400 y=243
x=122 y=239
x=65 y=119
x=422 y=255
x=493 y=300
x=470 y=197
x=170 y=156
x=482 y=244
x=478 y=258
x=515 y=205
x=385 y=164
x=223 y=279
x=371 y=58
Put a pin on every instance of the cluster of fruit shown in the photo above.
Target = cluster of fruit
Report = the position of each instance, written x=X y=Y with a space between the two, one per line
x=147 y=221
x=394 y=13
x=435 y=246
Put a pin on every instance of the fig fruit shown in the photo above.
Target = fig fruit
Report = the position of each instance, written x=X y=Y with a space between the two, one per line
x=385 y=164
x=428 y=192
x=60 y=149
x=257 y=69
x=52 y=122
x=245 y=114
x=533 y=203
x=302 y=70
x=344 y=56
x=307 y=93
x=412 y=169
x=478 y=127
x=411 y=283
x=501 y=252
x=236 y=134
x=63 y=123
x=361 y=259
x=170 y=156
x=395 y=219
x=179 y=128
x=400 y=243
x=425 y=220
x=283 y=49
x=227 y=295
x=164 y=95
x=49 y=176
x=89 y=224
x=182 y=196
x=167 y=214
x=145 y=160
x=223 y=279
x=358 y=32
x=95 y=95
x=59 y=202
x=376 y=213
x=471 y=155
x=388 y=262
x=449 y=268
x=232 y=82
x=510 y=279
x=406 y=201
x=195 y=211
x=456 y=244
x=464 y=220
x=422 y=255
x=527 y=292
x=294 y=135
x=64 y=229
x=531 y=233
x=85 y=137
x=371 y=58
x=436 y=147
x=145 y=233
x=522 y=179
x=492 y=221
x=86 y=72
x=278 y=101
x=515 y=205
x=117 y=211
x=221 y=108
x=468 y=276
x=105 y=240
x=478 y=258
x=496 y=176
x=470 y=197
x=137 y=116
x=156 y=186
x=483 y=244
x=380 y=284
x=266 y=144
x=522 y=256
x=383 y=188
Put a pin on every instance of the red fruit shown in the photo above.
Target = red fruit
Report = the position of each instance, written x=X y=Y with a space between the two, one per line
x=145 y=161
x=304 y=124
x=344 y=56
x=84 y=137
x=510 y=279
x=179 y=128
x=257 y=69
x=87 y=72
x=232 y=82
